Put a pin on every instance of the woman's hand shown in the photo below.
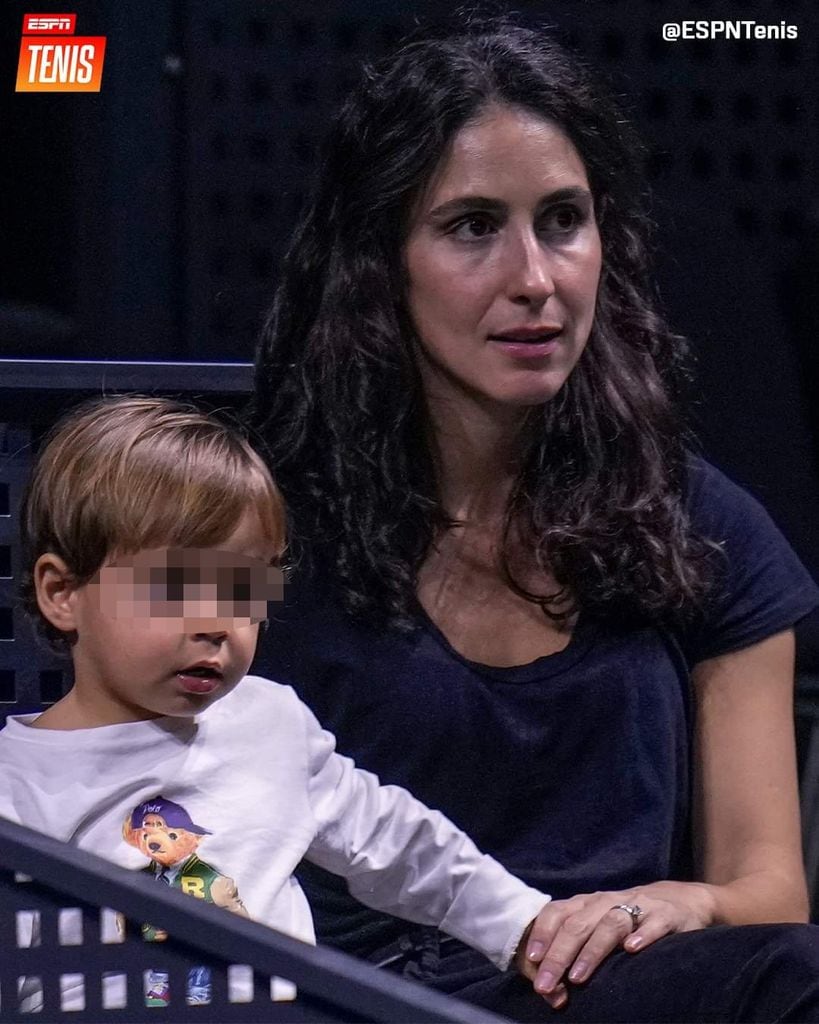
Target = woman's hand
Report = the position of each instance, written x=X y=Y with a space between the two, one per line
x=570 y=938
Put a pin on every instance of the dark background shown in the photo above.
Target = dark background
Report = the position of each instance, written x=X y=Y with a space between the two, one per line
x=146 y=222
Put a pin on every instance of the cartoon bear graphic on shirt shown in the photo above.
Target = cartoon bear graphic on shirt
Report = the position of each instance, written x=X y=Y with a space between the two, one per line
x=165 y=833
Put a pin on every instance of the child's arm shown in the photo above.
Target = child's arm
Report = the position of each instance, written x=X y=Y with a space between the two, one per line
x=400 y=857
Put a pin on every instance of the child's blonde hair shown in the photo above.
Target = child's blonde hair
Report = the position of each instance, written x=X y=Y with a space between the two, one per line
x=120 y=475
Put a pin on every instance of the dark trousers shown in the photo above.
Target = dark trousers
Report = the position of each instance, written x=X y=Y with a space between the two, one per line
x=753 y=973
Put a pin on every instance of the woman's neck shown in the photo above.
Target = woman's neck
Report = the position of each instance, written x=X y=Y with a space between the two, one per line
x=477 y=451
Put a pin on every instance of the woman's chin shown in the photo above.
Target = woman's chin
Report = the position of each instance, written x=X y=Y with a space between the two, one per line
x=532 y=394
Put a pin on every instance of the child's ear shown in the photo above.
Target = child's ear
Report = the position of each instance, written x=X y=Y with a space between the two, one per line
x=55 y=588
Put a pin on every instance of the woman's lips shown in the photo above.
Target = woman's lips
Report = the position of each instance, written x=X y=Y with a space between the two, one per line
x=527 y=349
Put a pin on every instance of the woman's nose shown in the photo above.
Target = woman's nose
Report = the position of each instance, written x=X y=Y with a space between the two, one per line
x=530 y=277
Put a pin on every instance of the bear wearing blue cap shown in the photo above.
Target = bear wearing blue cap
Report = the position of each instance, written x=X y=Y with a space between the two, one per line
x=164 y=832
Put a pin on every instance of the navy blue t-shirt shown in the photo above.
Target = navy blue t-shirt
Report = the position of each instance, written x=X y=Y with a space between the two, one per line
x=573 y=771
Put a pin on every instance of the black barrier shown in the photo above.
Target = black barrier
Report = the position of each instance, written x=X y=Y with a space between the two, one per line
x=61 y=878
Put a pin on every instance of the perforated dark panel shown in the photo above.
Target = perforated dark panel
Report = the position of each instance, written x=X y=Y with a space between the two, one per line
x=261 y=82
x=728 y=124
x=29 y=674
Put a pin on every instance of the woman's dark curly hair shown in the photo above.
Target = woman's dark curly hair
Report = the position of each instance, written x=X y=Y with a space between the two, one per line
x=338 y=397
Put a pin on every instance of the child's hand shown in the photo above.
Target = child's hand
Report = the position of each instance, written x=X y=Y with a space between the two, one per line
x=556 y=997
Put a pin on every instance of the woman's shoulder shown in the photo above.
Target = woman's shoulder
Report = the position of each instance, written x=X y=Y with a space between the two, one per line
x=760 y=585
x=712 y=498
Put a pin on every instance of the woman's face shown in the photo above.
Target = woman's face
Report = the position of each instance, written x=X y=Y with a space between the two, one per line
x=503 y=258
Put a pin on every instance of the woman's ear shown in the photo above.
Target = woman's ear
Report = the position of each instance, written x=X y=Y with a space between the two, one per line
x=55 y=588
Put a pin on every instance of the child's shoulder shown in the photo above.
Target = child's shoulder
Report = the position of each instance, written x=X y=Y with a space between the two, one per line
x=254 y=696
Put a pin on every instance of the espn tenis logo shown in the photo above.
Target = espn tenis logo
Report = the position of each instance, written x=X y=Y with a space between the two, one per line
x=53 y=59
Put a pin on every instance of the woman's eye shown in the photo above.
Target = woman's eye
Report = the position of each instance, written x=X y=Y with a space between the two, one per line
x=563 y=219
x=472 y=227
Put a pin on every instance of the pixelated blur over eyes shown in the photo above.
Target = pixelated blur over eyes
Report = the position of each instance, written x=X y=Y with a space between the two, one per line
x=192 y=588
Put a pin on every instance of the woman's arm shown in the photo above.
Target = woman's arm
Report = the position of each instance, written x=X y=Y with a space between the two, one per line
x=747 y=804
x=746 y=825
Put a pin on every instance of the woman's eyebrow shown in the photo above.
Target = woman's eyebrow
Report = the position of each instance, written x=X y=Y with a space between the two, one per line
x=465 y=204
x=562 y=195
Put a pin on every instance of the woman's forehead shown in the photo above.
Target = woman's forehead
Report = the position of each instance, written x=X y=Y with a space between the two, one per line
x=501 y=150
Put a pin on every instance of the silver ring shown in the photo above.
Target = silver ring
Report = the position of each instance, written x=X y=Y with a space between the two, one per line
x=633 y=911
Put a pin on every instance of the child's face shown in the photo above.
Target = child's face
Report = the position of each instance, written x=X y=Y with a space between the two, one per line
x=168 y=632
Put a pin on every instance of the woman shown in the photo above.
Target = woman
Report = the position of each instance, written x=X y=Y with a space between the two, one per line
x=515 y=591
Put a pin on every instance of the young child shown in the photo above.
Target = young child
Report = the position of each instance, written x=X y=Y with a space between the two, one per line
x=150 y=535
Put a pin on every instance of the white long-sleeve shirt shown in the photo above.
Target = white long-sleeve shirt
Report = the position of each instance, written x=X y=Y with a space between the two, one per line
x=264 y=779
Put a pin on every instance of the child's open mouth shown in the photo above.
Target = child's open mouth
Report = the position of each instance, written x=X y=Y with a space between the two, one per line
x=202 y=678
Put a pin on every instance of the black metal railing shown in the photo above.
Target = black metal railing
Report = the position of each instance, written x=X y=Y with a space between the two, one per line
x=60 y=878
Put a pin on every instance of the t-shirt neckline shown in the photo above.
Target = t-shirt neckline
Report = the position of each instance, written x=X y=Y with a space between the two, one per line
x=547 y=665
x=20 y=727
